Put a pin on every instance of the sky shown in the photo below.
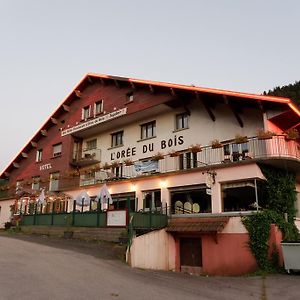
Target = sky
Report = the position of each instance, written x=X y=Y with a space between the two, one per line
x=46 y=47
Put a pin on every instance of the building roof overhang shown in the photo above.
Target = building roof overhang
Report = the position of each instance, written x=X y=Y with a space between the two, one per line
x=197 y=225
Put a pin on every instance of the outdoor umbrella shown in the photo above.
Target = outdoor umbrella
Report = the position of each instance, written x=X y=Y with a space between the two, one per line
x=104 y=196
x=41 y=198
x=83 y=199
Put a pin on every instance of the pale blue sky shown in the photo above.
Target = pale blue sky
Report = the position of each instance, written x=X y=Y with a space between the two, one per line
x=46 y=47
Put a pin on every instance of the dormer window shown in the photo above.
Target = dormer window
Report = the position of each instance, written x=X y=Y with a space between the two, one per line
x=86 y=112
x=98 y=108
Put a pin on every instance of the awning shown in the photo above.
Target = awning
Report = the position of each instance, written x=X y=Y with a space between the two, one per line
x=200 y=225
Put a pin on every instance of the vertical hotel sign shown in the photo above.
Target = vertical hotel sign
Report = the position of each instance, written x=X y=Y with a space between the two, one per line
x=95 y=121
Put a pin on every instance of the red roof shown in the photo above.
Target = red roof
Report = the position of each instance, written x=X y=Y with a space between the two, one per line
x=200 y=225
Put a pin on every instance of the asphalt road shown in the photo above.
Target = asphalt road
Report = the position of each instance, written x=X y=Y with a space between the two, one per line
x=34 y=267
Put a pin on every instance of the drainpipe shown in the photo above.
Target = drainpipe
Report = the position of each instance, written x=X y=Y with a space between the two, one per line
x=256 y=194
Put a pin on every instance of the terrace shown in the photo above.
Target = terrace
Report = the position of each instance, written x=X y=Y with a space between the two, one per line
x=271 y=151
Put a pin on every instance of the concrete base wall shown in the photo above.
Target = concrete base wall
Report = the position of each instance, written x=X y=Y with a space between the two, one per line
x=101 y=234
x=155 y=250
x=228 y=254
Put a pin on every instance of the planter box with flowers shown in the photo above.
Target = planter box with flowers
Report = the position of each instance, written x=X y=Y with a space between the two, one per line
x=128 y=162
x=216 y=144
x=264 y=134
x=195 y=148
x=106 y=166
x=174 y=153
x=157 y=156
x=240 y=139
x=292 y=134
x=115 y=164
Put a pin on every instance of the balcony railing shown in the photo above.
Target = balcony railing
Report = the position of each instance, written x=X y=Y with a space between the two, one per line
x=230 y=152
x=86 y=157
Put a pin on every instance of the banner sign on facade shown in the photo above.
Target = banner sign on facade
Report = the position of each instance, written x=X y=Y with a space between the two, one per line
x=95 y=121
x=146 y=166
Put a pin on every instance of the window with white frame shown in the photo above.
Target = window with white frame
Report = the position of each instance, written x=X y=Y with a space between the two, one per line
x=57 y=150
x=39 y=154
x=91 y=144
x=148 y=130
x=187 y=160
x=36 y=183
x=181 y=121
x=117 y=139
x=98 y=107
x=54 y=181
x=86 y=112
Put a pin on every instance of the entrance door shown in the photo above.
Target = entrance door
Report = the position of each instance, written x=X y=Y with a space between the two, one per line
x=190 y=252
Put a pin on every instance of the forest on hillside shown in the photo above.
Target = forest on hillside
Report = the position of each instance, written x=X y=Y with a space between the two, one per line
x=291 y=91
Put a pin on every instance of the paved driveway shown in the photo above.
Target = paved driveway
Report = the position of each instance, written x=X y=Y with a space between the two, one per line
x=48 y=268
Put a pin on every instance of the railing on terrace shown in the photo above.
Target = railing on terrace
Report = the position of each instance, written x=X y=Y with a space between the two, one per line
x=230 y=152
x=83 y=216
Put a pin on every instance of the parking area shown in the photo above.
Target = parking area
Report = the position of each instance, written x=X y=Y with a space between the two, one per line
x=39 y=267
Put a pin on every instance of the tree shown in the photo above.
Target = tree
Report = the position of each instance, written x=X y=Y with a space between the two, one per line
x=291 y=91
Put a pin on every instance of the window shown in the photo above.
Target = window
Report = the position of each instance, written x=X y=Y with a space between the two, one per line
x=148 y=130
x=39 y=154
x=181 y=121
x=240 y=196
x=236 y=152
x=129 y=97
x=152 y=199
x=187 y=160
x=117 y=139
x=57 y=150
x=91 y=144
x=118 y=171
x=54 y=181
x=98 y=108
x=35 y=183
x=86 y=112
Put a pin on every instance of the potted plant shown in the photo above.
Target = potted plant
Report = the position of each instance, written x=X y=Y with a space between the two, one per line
x=264 y=134
x=216 y=144
x=195 y=148
x=239 y=139
x=292 y=134
x=157 y=156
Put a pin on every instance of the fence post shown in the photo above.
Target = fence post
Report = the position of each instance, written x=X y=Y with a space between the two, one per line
x=34 y=210
x=98 y=212
x=73 y=213
x=52 y=214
